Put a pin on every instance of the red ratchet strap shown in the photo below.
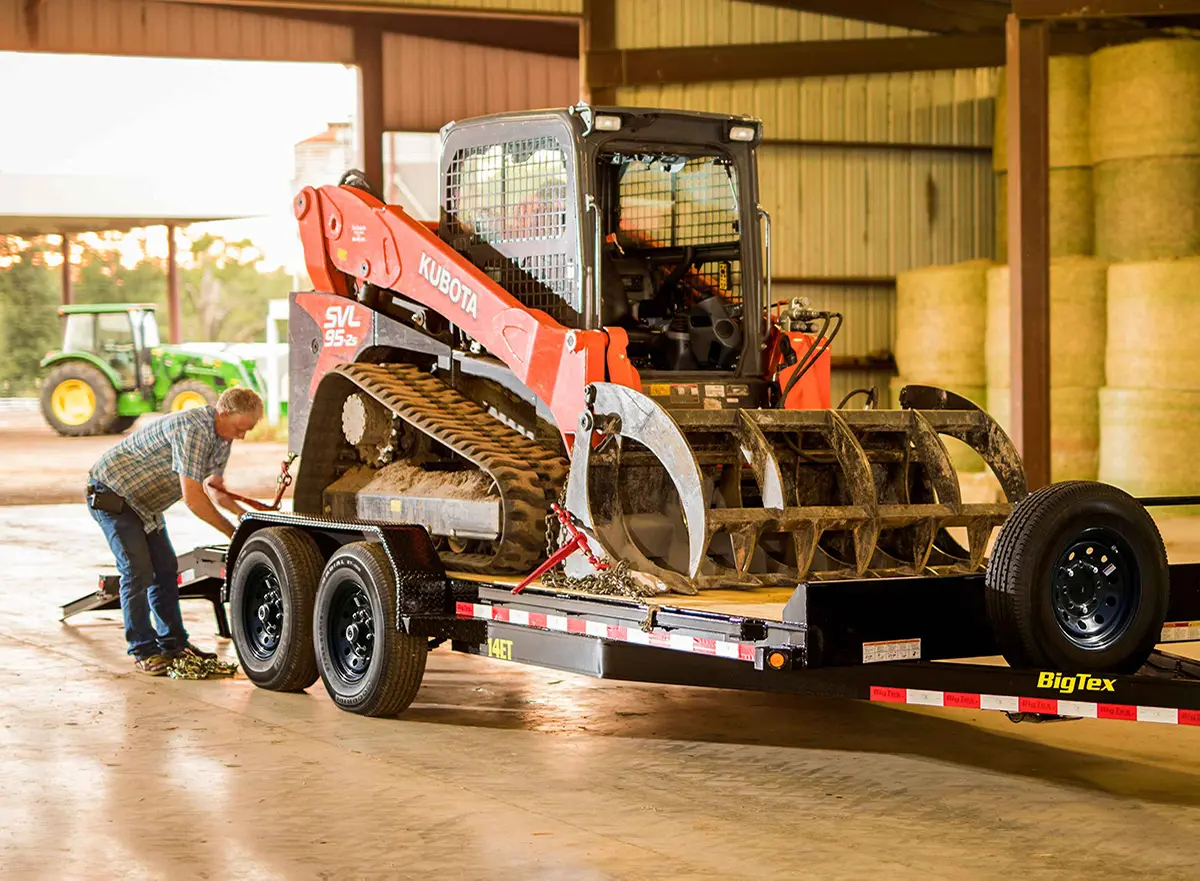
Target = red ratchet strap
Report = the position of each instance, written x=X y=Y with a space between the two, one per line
x=285 y=480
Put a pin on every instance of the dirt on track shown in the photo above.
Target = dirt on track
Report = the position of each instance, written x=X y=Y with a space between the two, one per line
x=40 y=467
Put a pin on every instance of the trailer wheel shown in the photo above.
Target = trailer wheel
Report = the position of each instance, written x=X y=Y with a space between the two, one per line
x=1078 y=581
x=368 y=666
x=271 y=595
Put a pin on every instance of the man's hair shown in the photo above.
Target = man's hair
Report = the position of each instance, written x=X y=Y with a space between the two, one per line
x=240 y=399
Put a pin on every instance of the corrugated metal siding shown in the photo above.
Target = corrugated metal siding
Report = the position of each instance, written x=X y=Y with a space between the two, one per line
x=646 y=24
x=870 y=316
x=422 y=92
x=183 y=30
x=839 y=211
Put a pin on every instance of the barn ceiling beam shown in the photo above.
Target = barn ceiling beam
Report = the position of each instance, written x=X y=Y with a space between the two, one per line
x=614 y=68
x=543 y=36
x=1034 y=10
x=936 y=16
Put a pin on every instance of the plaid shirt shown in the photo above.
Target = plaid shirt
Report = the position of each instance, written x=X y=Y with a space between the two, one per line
x=145 y=467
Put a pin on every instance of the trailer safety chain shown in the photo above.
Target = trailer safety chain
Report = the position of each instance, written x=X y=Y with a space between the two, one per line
x=577 y=542
x=611 y=581
x=188 y=667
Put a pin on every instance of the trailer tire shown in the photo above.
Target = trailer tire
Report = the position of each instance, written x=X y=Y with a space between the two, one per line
x=368 y=666
x=1078 y=581
x=271 y=593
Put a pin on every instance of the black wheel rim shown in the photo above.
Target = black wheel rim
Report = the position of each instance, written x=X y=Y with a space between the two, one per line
x=1096 y=588
x=262 y=613
x=351 y=631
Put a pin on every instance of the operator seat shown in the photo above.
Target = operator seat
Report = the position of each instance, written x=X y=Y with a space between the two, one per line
x=615 y=308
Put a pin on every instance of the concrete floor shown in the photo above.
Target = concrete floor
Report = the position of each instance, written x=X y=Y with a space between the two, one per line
x=501 y=771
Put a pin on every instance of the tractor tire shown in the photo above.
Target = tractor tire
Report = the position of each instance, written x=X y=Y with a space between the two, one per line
x=122 y=424
x=189 y=393
x=78 y=400
x=368 y=666
x=1078 y=581
x=271 y=592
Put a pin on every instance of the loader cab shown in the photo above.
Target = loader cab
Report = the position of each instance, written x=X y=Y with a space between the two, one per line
x=646 y=220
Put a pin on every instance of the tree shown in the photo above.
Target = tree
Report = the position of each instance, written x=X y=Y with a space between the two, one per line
x=225 y=293
x=29 y=322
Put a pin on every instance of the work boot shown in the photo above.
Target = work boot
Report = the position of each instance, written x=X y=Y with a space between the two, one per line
x=187 y=650
x=152 y=665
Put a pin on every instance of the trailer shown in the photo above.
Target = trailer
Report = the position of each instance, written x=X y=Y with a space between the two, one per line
x=360 y=604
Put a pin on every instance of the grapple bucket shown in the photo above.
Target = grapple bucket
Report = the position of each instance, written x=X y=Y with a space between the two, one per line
x=725 y=498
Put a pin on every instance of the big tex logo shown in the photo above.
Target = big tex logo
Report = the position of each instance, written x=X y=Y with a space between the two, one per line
x=1072 y=684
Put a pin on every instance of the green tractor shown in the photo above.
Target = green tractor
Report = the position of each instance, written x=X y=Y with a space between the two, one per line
x=113 y=368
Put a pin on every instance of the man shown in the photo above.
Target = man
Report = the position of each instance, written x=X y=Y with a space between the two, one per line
x=182 y=455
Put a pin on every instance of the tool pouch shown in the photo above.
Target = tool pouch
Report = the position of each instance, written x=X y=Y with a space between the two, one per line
x=105 y=500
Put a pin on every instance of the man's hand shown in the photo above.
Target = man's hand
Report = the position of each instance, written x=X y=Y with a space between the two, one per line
x=201 y=505
x=216 y=489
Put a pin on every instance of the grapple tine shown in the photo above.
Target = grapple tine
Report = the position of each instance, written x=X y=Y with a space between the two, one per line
x=629 y=414
x=763 y=461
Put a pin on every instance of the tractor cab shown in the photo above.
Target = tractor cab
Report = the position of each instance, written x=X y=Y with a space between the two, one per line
x=119 y=335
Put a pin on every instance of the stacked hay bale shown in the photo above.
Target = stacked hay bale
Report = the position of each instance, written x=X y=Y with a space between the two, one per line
x=941 y=317
x=1071 y=214
x=1145 y=143
x=1150 y=410
x=1077 y=337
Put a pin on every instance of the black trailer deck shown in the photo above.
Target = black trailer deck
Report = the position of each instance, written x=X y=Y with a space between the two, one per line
x=921 y=641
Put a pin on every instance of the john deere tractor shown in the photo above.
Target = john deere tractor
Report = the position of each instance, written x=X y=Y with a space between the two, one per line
x=112 y=368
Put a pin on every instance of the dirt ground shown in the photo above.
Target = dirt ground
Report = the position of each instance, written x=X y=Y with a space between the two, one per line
x=40 y=467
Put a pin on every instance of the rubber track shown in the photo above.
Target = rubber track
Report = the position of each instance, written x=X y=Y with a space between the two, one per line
x=528 y=474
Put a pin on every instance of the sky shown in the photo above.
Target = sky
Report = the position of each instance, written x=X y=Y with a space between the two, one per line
x=229 y=125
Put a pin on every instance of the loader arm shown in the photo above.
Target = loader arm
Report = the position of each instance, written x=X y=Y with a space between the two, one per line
x=347 y=233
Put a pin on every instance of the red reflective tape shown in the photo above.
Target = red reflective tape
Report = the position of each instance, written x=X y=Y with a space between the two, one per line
x=1038 y=705
x=1189 y=717
x=464 y=610
x=745 y=652
x=616 y=631
x=537 y=619
x=499 y=613
x=1116 y=711
x=576 y=625
x=704 y=646
x=959 y=699
x=889 y=695
x=179 y=579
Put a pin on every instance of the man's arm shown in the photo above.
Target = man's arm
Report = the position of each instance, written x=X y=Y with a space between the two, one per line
x=201 y=505
x=216 y=485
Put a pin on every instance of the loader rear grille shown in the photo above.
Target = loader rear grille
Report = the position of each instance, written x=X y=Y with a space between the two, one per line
x=511 y=192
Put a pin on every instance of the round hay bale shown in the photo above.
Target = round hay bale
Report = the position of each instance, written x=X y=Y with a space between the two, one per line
x=1069 y=114
x=963 y=457
x=1072 y=225
x=1074 y=429
x=1078 y=322
x=1148 y=209
x=1147 y=440
x=940 y=319
x=1143 y=100
x=1153 y=314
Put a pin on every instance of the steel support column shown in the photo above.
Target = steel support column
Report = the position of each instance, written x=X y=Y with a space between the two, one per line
x=598 y=34
x=1029 y=242
x=368 y=56
x=174 y=312
x=67 y=294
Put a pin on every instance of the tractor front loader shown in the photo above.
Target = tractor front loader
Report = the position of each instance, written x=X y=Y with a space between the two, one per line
x=590 y=327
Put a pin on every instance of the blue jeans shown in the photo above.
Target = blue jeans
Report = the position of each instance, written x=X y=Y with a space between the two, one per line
x=149 y=582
